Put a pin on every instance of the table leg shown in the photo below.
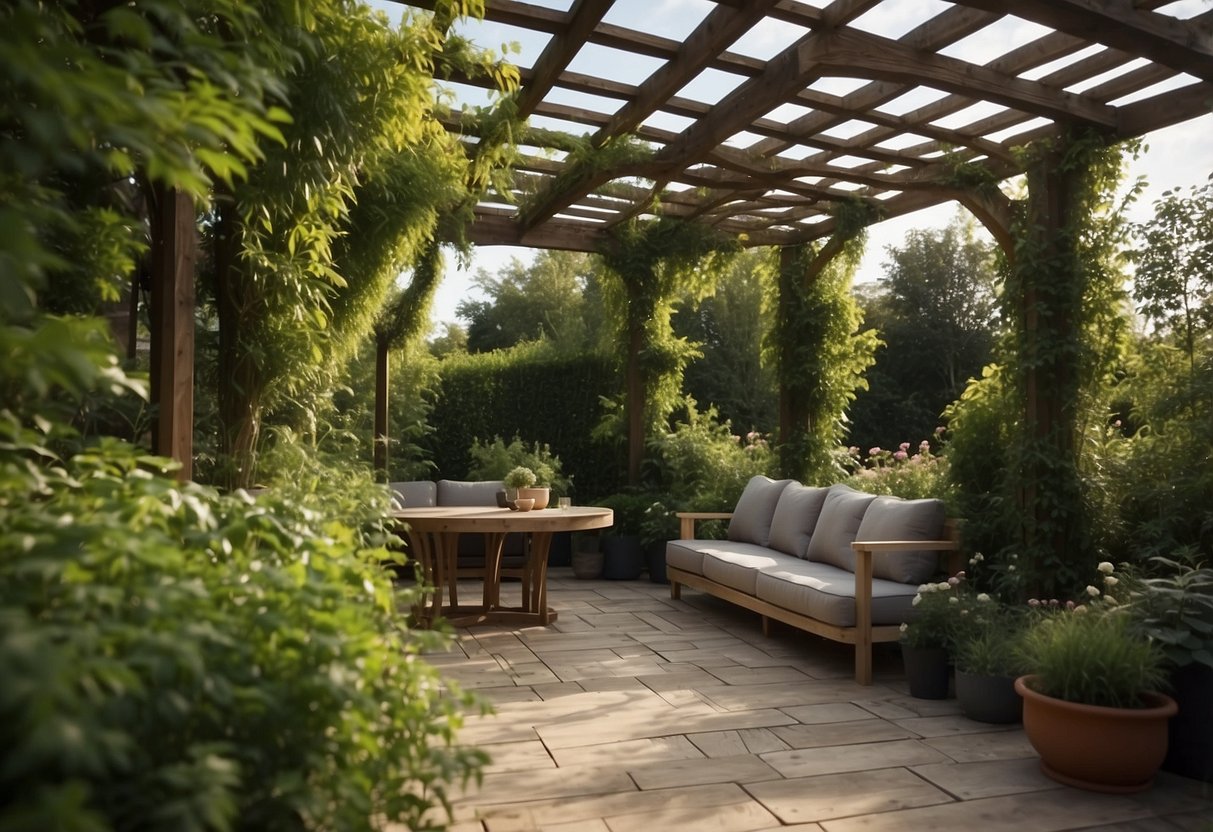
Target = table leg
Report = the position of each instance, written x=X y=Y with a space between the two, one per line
x=493 y=544
x=537 y=569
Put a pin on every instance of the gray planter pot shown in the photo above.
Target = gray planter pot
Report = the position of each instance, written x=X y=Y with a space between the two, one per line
x=927 y=671
x=988 y=698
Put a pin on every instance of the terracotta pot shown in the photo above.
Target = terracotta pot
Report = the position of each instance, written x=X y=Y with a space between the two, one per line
x=540 y=494
x=1100 y=749
x=927 y=671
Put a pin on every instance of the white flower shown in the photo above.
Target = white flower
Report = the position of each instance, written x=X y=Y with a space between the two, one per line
x=943 y=586
x=1106 y=568
x=1110 y=581
x=1111 y=600
x=1093 y=592
x=915 y=602
x=1011 y=568
x=904 y=627
x=977 y=558
x=953 y=600
x=983 y=597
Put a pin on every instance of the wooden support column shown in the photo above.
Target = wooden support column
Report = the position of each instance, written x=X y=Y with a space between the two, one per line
x=382 y=388
x=173 y=253
x=789 y=257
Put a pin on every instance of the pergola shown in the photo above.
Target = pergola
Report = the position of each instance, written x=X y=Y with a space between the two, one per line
x=876 y=103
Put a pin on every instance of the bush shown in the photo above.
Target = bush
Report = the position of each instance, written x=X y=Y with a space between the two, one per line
x=494 y=460
x=177 y=659
x=912 y=474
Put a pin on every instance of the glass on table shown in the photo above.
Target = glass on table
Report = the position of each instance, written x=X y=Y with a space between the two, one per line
x=564 y=503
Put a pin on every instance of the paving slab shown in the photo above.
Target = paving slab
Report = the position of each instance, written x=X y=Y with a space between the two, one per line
x=803 y=799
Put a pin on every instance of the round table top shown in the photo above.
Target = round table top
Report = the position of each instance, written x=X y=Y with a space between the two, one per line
x=493 y=519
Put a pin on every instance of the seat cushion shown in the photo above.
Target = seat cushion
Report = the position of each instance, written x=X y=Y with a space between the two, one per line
x=689 y=555
x=739 y=565
x=841 y=514
x=751 y=522
x=891 y=518
x=795 y=518
x=462 y=493
x=827 y=593
x=415 y=493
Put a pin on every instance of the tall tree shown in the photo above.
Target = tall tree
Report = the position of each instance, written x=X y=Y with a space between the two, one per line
x=543 y=299
x=935 y=310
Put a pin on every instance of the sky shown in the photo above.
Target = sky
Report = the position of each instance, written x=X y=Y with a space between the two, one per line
x=1177 y=157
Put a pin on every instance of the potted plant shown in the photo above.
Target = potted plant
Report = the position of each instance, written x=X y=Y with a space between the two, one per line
x=986 y=650
x=622 y=552
x=925 y=639
x=1175 y=609
x=658 y=526
x=1092 y=708
x=515 y=481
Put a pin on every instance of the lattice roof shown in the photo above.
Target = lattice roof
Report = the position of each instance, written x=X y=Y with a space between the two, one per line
x=874 y=100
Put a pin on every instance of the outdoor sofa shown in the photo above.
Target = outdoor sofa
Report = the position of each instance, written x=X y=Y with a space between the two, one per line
x=833 y=561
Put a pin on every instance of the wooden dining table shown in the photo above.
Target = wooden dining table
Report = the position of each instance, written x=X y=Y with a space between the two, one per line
x=433 y=536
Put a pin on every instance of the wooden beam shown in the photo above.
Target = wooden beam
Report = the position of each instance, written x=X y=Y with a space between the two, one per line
x=173 y=253
x=1181 y=45
x=861 y=55
x=560 y=50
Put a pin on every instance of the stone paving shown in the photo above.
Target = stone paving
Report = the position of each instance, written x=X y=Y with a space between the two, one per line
x=634 y=712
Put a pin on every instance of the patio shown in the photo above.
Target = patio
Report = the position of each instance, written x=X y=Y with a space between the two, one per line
x=635 y=712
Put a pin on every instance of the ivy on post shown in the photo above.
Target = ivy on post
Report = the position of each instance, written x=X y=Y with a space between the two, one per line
x=1061 y=300
x=820 y=352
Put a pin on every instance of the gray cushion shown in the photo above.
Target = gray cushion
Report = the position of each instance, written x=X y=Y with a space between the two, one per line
x=416 y=493
x=840 y=517
x=460 y=493
x=827 y=593
x=795 y=518
x=751 y=521
x=890 y=518
x=739 y=567
x=689 y=555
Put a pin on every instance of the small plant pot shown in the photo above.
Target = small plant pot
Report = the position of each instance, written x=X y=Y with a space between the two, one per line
x=622 y=558
x=988 y=698
x=927 y=671
x=654 y=555
x=539 y=493
x=587 y=565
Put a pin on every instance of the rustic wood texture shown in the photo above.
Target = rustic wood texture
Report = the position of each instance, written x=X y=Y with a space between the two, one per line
x=774 y=175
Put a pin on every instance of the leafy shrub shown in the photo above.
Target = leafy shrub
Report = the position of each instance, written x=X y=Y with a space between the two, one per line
x=494 y=460
x=701 y=465
x=908 y=473
x=177 y=659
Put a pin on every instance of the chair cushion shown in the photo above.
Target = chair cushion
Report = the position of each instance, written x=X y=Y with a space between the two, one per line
x=738 y=566
x=841 y=514
x=689 y=555
x=461 y=493
x=415 y=493
x=891 y=518
x=795 y=518
x=751 y=522
x=827 y=593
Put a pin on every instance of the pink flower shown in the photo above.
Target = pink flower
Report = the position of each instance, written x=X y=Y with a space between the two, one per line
x=905 y=446
x=1033 y=602
x=875 y=451
x=939 y=430
x=900 y=455
x=924 y=446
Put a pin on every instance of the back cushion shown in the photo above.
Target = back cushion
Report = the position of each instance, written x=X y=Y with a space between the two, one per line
x=415 y=493
x=889 y=518
x=795 y=518
x=841 y=515
x=751 y=521
x=458 y=493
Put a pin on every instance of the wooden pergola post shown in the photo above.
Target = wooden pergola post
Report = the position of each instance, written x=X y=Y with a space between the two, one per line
x=173 y=253
x=382 y=367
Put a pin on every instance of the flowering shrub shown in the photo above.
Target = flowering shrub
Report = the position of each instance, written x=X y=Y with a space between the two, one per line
x=908 y=472
x=936 y=608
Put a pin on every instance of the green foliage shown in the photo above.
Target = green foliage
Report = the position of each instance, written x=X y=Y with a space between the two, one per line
x=531 y=393
x=935 y=616
x=1093 y=656
x=546 y=299
x=821 y=357
x=1172 y=604
x=494 y=460
x=519 y=477
x=730 y=326
x=990 y=643
x=701 y=465
x=1173 y=280
x=934 y=311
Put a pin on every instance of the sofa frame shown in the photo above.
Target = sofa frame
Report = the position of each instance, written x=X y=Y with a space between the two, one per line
x=863 y=635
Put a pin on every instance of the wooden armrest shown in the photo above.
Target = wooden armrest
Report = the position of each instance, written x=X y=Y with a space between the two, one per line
x=904 y=545
x=686 y=528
